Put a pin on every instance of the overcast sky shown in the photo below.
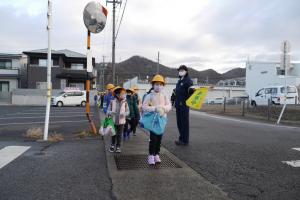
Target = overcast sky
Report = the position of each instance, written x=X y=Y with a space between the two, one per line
x=217 y=34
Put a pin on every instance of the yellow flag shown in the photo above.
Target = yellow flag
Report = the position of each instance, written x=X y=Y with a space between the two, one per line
x=197 y=98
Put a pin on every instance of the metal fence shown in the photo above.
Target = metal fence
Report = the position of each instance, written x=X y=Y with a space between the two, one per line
x=243 y=108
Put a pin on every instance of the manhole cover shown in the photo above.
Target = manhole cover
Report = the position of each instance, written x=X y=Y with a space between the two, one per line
x=131 y=162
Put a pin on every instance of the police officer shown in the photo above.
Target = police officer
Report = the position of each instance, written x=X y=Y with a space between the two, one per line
x=182 y=110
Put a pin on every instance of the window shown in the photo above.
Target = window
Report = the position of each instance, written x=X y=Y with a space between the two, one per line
x=5 y=64
x=78 y=93
x=289 y=90
x=274 y=90
x=280 y=71
x=268 y=90
x=260 y=92
x=43 y=62
x=4 y=86
x=77 y=85
x=77 y=66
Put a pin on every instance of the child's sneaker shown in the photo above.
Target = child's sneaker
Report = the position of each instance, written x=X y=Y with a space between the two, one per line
x=112 y=148
x=118 y=150
x=151 y=160
x=157 y=159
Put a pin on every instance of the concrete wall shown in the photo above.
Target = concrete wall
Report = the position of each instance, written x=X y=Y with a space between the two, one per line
x=213 y=93
x=35 y=97
x=13 y=83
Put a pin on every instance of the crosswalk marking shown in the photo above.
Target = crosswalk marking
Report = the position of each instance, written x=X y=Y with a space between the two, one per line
x=9 y=153
x=293 y=163
x=297 y=149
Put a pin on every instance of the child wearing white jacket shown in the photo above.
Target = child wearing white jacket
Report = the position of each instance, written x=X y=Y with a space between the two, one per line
x=118 y=110
x=158 y=102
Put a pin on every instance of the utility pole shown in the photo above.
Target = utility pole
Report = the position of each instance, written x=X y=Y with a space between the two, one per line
x=49 y=63
x=157 y=70
x=114 y=2
x=102 y=73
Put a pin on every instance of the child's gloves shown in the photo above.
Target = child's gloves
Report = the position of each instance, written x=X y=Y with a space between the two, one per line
x=160 y=110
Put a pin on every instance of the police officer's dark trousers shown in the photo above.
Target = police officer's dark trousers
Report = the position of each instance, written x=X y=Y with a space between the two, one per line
x=182 y=115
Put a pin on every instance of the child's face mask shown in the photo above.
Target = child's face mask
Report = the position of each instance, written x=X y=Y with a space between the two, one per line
x=121 y=96
x=158 y=87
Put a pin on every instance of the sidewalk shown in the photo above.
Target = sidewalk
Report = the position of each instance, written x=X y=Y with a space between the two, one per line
x=132 y=178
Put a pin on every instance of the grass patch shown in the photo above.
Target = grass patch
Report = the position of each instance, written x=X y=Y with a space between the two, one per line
x=84 y=134
x=55 y=137
x=34 y=133
x=37 y=134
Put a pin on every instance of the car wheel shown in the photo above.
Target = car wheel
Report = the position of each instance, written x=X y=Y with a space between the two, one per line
x=83 y=103
x=253 y=103
x=59 y=104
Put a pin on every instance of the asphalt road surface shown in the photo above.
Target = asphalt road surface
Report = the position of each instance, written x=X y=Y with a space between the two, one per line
x=71 y=169
x=243 y=158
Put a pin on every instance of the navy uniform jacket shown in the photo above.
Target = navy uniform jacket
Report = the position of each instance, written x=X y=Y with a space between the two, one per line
x=182 y=91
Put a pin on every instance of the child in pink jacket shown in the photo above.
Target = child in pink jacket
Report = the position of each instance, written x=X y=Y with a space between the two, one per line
x=118 y=110
x=158 y=102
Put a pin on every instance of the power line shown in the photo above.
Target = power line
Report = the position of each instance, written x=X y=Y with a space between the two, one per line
x=121 y=19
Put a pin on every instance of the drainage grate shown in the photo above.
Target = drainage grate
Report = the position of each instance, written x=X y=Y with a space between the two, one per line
x=131 y=162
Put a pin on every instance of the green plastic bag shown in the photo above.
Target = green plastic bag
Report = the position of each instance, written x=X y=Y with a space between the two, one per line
x=107 y=127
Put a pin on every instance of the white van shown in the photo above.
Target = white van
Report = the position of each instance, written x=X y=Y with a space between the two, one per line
x=69 y=98
x=276 y=94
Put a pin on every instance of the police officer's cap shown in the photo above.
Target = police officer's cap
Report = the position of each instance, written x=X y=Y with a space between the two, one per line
x=182 y=67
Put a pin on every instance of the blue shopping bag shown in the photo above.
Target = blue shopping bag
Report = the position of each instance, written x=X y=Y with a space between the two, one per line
x=152 y=121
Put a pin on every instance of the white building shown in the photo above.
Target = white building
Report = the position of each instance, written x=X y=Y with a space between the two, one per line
x=10 y=74
x=262 y=74
x=214 y=92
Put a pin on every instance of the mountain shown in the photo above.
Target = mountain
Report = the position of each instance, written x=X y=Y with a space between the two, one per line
x=234 y=73
x=143 y=67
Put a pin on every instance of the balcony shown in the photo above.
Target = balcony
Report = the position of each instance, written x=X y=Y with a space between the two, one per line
x=76 y=74
x=9 y=73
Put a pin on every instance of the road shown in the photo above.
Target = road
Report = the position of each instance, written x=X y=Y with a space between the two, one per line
x=71 y=169
x=243 y=158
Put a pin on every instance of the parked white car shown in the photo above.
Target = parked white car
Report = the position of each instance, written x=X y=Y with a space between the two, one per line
x=219 y=100
x=69 y=98
x=276 y=94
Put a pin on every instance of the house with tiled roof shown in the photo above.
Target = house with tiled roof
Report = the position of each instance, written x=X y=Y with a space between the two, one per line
x=68 y=70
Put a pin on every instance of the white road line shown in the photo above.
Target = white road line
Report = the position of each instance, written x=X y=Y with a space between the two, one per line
x=297 y=149
x=51 y=122
x=240 y=121
x=35 y=113
x=36 y=117
x=9 y=153
x=293 y=163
